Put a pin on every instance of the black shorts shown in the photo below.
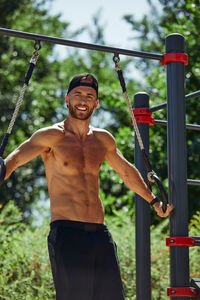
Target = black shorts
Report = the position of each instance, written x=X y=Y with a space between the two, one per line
x=84 y=262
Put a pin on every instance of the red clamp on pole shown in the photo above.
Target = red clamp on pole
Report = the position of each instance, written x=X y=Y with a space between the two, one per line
x=182 y=292
x=142 y=115
x=180 y=241
x=174 y=57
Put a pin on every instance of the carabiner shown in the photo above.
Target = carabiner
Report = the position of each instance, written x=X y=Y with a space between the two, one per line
x=37 y=45
x=116 y=58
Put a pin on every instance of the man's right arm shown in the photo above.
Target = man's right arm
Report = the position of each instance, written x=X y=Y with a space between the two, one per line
x=38 y=143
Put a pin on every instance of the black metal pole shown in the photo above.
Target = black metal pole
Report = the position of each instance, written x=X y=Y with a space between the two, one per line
x=177 y=163
x=143 y=264
x=59 y=41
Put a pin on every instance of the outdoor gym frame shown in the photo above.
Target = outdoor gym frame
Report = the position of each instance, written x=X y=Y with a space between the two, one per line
x=177 y=165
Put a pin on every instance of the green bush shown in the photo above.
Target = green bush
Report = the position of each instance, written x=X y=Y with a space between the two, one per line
x=195 y=251
x=25 y=268
x=123 y=232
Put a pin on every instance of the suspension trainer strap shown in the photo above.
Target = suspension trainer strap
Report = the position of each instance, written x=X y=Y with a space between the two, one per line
x=3 y=170
x=116 y=60
x=33 y=62
x=151 y=176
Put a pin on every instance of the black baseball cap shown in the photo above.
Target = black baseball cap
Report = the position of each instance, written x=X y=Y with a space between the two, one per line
x=77 y=80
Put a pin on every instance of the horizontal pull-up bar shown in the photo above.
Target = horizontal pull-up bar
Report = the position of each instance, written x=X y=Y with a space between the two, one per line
x=188 y=126
x=59 y=41
x=193 y=182
x=163 y=105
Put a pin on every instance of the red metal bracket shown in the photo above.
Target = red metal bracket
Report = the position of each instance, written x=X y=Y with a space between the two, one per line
x=174 y=57
x=142 y=115
x=180 y=241
x=182 y=292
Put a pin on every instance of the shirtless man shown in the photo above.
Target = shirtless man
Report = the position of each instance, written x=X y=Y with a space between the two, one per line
x=82 y=252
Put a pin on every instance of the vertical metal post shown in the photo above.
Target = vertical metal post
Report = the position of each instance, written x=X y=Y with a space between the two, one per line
x=177 y=166
x=143 y=264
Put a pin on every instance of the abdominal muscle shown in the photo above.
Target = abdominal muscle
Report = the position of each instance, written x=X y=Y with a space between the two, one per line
x=75 y=197
x=72 y=172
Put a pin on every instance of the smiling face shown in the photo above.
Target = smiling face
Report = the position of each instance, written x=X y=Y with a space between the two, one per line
x=81 y=101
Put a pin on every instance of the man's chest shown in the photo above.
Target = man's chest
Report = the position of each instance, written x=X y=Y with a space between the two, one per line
x=73 y=153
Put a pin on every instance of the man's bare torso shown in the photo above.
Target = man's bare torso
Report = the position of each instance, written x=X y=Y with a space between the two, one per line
x=72 y=171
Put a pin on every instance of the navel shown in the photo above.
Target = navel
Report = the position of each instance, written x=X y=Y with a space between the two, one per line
x=87 y=203
x=65 y=163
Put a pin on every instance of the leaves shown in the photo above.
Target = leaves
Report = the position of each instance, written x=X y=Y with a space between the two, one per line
x=25 y=268
x=44 y=100
x=181 y=17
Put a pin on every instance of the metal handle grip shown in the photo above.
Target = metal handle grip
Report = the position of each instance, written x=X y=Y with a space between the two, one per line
x=162 y=192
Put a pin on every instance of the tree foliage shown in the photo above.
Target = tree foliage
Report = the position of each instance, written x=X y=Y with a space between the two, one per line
x=167 y=17
x=40 y=101
x=26 y=270
x=25 y=267
x=44 y=100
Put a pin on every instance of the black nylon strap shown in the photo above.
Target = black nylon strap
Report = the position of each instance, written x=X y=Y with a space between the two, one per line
x=3 y=170
x=121 y=79
x=4 y=143
x=155 y=200
x=29 y=73
x=146 y=161
x=2 y=162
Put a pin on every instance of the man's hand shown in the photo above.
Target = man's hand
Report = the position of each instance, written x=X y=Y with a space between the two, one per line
x=158 y=208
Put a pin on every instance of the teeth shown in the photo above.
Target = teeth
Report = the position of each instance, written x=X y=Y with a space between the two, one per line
x=81 y=108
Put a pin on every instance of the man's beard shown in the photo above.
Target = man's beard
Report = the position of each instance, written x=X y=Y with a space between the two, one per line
x=77 y=114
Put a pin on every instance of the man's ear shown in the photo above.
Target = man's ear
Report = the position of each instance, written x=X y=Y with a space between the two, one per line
x=96 y=104
x=66 y=99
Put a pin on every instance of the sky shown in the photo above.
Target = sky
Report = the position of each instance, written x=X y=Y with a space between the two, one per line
x=117 y=31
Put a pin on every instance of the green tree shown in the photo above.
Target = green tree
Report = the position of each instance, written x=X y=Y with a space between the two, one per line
x=44 y=100
x=168 y=17
x=25 y=270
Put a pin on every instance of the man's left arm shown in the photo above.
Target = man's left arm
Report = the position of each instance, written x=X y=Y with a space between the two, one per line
x=131 y=177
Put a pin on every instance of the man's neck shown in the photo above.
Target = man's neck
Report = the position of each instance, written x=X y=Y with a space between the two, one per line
x=80 y=128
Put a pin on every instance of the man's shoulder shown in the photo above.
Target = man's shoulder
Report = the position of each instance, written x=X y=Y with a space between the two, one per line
x=54 y=129
x=105 y=136
x=101 y=132
x=50 y=134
